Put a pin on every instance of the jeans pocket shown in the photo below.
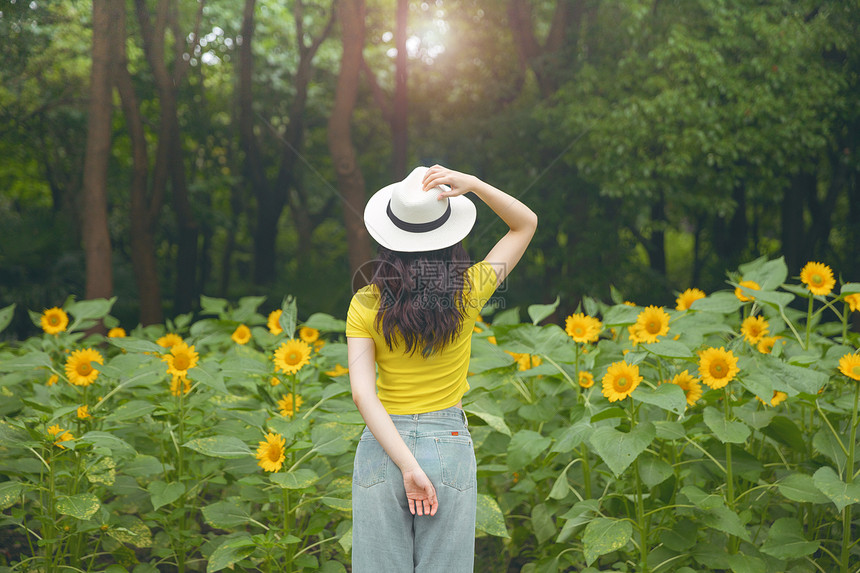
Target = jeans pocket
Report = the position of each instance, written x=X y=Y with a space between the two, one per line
x=371 y=462
x=457 y=456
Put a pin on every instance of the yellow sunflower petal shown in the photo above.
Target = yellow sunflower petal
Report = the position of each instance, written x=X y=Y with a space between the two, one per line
x=818 y=278
x=292 y=355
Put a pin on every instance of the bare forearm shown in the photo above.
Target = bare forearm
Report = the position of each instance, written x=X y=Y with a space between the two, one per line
x=383 y=429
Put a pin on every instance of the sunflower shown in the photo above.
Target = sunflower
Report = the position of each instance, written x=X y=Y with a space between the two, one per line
x=651 y=323
x=169 y=340
x=309 y=334
x=818 y=278
x=318 y=344
x=180 y=384
x=274 y=381
x=292 y=355
x=116 y=332
x=754 y=328
x=52 y=380
x=629 y=303
x=850 y=365
x=853 y=301
x=338 y=370
x=274 y=322
x=620 y=380
x=79 y=368
x=54 y=320
x=635 y=334
x=586 y=379
x=690 y=385
x=83 y=412
x=241 y=335
x=271 y=452
x=582 y=328
x=765 y=345
x=60 y=435
x=688 y=297
x=524 y=360
x=290 y=404
x=491 y=339
x=748 y=284
x=180 y=359
x=717 y=366
x=778 y=398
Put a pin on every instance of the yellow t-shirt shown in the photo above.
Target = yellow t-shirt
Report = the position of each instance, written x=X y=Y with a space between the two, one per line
x=412 y=383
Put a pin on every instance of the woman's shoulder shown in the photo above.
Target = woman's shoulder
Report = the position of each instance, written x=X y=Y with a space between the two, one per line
x=365 y=298
x=482 y=275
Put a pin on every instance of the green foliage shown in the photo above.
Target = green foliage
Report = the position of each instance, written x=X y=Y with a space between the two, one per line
x=665 y=479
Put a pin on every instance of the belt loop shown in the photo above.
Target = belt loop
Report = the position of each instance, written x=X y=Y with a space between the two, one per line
x=465 y=419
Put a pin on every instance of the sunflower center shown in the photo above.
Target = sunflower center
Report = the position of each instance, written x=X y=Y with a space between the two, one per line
x=579 y=331
x=54 y=320
x=84 y=368
x=653 y=327
x=718 y=369
x=621 y=382
x=817 y=279
x=181 y=362
x=274 y=454
x=293 y=358
x=856 y=370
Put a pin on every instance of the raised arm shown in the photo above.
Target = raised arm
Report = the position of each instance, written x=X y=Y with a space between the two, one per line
x=521 y=221
x=362 y=379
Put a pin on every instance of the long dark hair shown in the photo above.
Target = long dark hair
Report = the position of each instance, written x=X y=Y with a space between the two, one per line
x=421 y=296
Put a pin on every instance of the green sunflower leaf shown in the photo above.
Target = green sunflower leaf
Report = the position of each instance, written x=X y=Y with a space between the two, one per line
x=219 y=447
x=81 y=506
x=603 y=536
x=839 y=492
x=726 y=431
x=618 y=449
x=785 y=540
x=490 y=518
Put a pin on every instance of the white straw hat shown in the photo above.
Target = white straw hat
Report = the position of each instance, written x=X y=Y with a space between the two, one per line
x=403 y=217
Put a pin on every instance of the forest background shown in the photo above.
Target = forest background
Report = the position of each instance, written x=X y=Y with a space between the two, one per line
x=159 y=150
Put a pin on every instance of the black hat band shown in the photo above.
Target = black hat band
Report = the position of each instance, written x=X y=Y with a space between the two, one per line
x=418 y=227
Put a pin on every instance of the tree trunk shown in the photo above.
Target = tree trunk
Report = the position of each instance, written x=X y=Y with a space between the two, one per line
x=543 y=60
x=349 y=177
x=401 y=98
x=97 y=245
x=144 y=208
x=272 y=196
x=169 y=164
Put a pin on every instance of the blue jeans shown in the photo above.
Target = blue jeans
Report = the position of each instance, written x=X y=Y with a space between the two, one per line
x=386 y=537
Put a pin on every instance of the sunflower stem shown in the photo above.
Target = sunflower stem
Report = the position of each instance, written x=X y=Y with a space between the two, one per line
x=586 y=472
x=730 y=485
x=641 y=519
x=808 y=321
x=845 y=314
x=287 y=524
x=180 y=557
x=52 y=519
x=849 y=478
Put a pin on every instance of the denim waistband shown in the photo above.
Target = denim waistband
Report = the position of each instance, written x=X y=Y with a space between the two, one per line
x=452 y=412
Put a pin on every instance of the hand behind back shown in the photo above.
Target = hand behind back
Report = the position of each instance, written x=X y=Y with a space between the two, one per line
x=420 y=493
